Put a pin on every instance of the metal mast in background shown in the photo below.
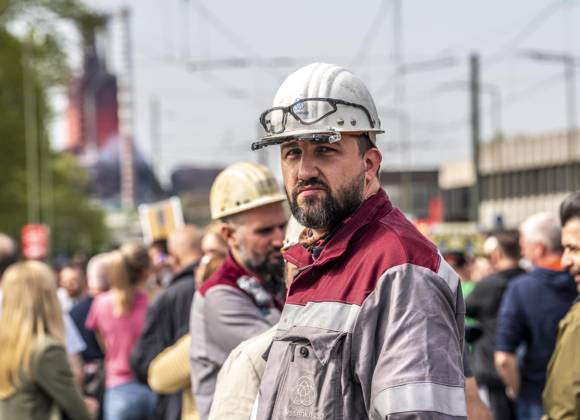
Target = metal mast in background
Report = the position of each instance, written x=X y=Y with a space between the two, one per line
x=155 y=134
x=475 y=86
x=125 y=110
x=399 y=103
x=569 y=62
x=31 y=133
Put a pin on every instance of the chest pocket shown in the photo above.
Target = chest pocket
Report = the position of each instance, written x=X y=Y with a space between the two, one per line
x=309 y=383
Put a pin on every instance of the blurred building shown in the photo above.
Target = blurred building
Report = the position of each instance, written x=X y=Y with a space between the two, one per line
x=192 y=185
x=415 y=192
x=93 y=128
x=519 y=177
x=455 y=181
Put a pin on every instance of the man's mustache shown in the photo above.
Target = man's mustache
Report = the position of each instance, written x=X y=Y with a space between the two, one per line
x=310 y=182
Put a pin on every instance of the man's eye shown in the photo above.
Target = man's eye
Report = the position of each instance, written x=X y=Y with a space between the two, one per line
x=324 y=149
x=292 y=152
x=265 y=232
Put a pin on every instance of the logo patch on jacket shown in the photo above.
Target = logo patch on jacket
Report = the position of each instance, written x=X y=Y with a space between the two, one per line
x=304 y=393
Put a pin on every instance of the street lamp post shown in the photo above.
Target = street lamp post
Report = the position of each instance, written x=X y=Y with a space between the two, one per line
x=569 y=62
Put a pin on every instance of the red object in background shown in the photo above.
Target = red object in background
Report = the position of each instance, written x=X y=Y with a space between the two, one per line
x=436 y=210
x=35 y=241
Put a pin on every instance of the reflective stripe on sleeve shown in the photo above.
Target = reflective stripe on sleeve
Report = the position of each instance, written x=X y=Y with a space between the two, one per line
x=447 y=273
x=423 y=396
x=334 y=316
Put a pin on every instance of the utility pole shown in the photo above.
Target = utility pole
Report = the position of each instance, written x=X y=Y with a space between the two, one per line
x=569 y=62
x=399 y=103
x=474 y=83
x=125 y=103
x=31 y=133
x=185 y=31
x=495 y=95
x=155 y=134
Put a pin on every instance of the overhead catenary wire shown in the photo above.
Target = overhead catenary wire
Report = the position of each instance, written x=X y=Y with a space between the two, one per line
x=528 y=29
x=362 y=52
x=228 y=33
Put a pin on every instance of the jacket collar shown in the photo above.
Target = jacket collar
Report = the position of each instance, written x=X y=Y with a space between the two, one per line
x=371 y=209
x=188 y=271
x=228 y=273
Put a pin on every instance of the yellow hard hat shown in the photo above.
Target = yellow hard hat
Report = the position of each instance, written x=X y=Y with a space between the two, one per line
x=241 y=187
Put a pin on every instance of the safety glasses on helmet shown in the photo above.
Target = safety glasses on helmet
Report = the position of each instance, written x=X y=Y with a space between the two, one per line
x=308 y=111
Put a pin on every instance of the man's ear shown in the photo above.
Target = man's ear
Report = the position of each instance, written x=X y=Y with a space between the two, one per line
x=228 y=233
x=372 y=160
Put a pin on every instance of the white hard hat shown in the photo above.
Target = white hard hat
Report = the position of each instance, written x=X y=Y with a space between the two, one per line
x=241 y=187
x=319 y=101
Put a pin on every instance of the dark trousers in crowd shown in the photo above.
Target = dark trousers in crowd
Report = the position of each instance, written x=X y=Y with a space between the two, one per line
x=500 y=405
x=529 y=410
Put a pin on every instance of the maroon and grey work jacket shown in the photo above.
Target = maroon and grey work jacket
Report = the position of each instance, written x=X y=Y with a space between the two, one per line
x=373 y=328
x=230 y=307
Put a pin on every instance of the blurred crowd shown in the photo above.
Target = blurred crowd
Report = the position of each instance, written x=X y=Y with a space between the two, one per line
x=123 y=317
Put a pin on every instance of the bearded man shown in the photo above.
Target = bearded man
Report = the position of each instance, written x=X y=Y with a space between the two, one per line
x=245 y=296
x=373 y=321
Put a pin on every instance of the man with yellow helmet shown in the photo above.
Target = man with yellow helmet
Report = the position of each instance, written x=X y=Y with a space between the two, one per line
x=245 y=296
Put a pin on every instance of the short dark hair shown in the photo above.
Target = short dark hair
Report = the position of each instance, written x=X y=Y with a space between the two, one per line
x=509 y=243
x=160 y=245
x=73 y=265
x=570 y=208
x=364 y=144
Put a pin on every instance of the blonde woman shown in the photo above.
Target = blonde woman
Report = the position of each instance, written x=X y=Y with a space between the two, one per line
x=117 y=317
x=36 y=381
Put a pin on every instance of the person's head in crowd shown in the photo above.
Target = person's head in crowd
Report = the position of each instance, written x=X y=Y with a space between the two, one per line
x=480 y=267
x=72 y=279
x=30 y=310
x=98 y=279
x=540 y=240
x=161 y=265
x=208 y=265
x=246 y=198
x=8 y=253
x=213 y=243
x=184 y=246
x=215 y=250
x=504 y=249
x=570 y=218
x=460 y=263
x=128 y=270
x=159 y=254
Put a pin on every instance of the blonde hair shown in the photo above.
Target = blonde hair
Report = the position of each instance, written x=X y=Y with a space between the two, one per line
x=127 y=270
x=30 y=311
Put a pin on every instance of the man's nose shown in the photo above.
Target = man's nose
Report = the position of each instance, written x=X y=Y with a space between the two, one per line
x=307 y=168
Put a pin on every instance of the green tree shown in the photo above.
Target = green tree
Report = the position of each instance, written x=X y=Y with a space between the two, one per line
x=77 y=224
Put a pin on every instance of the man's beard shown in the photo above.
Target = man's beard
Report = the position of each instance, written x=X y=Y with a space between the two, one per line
x=263 y=265
x=329 y=211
